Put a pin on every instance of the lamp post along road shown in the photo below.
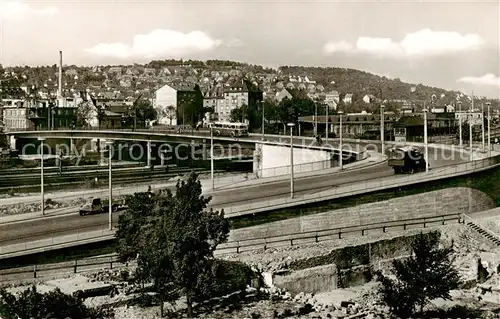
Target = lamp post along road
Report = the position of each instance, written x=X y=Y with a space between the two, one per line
x=341 y=146
x=426 y=142
x=327 y=124
x=41 y=176
x=489 y=119
x=110 y=203
x=482 y=125
x=212 y=155
x=382 y=128
x=460 y=124
x=291 y=125
x=263 y=121
x=315 y=119
x=471 y=109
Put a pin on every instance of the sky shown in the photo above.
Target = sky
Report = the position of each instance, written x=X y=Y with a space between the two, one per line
x=448 y=44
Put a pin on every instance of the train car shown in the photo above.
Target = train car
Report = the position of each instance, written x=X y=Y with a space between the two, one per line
x=407 y=159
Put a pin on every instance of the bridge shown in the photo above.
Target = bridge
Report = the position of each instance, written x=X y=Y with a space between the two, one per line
x=25 y=236
x=307 y=151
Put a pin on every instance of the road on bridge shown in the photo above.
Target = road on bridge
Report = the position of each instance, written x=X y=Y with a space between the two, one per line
x=25 y=231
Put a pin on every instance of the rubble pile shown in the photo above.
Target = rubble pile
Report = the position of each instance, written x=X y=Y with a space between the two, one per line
x=35 y=207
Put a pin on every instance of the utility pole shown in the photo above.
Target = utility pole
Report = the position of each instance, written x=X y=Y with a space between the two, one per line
x=460 y=123
x=382 y=127
x=291 y=125
x=489 y=124
x=482 y=125
x=263 y=120
x=327 y=124
x=315 y=119
x=470 y=127
x=425 y=141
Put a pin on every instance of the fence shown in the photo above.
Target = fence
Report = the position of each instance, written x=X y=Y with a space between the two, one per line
x=60 y=269
x=56 y=238
x=240 y=246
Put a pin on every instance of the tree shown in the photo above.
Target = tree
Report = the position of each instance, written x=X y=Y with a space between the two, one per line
x=173 y=237
x=54 y=304
x=170 y=113
x=84 y=114
x=144 y=111
x=240 y=114
x=427 y=274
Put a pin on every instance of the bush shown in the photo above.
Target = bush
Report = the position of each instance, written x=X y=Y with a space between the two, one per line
x=306 y=309
x=230 y=277
x=54 y=304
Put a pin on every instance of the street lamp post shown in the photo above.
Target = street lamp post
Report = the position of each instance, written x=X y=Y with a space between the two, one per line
x=212 y=155
x=263 y=120
x=291 y=125
x=316 y=119
x=482 y=125
x=470 y=128
x=459 y=124
x=110 y=203
x=327 y=124
x=489 y=119
x=41 y=139
x=382 y=127
x=341 y=146
x=426 y=145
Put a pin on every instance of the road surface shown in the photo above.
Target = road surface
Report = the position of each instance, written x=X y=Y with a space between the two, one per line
x=25 y=231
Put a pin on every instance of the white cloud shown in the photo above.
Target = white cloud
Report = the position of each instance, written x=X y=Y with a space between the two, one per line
x=10 y=9
x=425 y=42
x=342 y=46
x=487 y=79
x=159 y=43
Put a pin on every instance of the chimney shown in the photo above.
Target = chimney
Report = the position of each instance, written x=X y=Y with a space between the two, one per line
x=60 y=75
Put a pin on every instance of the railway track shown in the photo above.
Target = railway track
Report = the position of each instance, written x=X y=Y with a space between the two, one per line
x=56 y=180
x=68 y=169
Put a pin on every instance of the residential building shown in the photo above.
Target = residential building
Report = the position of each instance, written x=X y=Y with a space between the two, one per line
x=172 y=101
x=369 y=98
x=241 y=93
x=214 y=101
x=347 y=98
x=21 y=114
x=283 y=93
x=332 y=99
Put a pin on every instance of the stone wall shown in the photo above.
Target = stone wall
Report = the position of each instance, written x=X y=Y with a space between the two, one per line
x=314 y=280
x=435 y=203
x=344 y=267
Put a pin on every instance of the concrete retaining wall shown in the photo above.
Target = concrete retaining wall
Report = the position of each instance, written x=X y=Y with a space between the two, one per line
x=272 y=160
x=445 y=201
x=312 y=280
x=344 y=267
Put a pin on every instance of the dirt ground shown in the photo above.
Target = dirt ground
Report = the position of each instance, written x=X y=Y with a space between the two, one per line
x=359 y=302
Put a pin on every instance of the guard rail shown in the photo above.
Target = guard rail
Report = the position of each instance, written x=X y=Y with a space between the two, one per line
x=35 y=271
x=357 y=188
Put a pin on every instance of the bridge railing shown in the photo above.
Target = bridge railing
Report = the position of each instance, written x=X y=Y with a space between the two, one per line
x=277 y=201
x=232 y=246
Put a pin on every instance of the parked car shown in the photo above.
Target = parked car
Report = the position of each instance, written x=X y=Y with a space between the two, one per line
x=98 y=207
